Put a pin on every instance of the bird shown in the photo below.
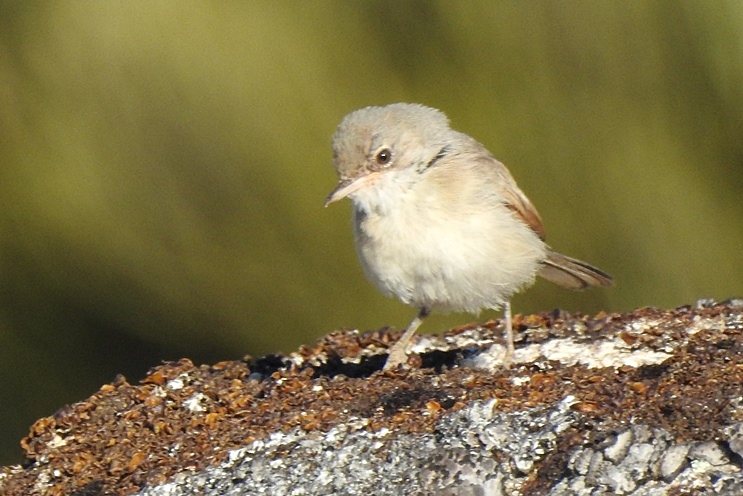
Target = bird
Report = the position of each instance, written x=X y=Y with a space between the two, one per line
x=438 y=221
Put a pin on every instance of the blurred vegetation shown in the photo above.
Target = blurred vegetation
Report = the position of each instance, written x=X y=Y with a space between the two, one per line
x=163 y=166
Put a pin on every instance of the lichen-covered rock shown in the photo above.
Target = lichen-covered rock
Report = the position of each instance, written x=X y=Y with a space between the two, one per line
x=644 y=403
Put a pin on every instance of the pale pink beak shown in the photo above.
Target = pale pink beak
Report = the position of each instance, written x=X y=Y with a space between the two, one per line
x=350 y=186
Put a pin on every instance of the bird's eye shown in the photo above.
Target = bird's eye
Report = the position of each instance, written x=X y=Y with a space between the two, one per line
x=383 y=156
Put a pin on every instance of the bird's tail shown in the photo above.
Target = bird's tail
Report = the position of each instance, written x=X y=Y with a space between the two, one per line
x=571 y=273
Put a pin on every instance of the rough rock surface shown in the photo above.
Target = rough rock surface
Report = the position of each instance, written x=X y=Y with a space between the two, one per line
x=643 y=403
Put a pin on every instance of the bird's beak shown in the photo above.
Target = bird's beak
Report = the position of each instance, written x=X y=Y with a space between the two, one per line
x=349 y=186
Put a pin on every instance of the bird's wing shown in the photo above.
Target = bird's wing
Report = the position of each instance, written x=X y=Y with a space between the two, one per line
x=512 y=197
x=522 y=207
x=516 y=201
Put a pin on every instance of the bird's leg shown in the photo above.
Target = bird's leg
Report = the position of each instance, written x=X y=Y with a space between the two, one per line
x=508 y=359
x=397 y=354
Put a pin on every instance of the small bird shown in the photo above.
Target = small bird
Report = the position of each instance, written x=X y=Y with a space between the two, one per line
x=438 y=222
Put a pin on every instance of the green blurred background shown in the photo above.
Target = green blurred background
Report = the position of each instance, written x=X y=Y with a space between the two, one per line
x=163 y=167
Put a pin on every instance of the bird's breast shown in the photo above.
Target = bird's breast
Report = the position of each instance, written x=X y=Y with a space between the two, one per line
x=449 y=255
